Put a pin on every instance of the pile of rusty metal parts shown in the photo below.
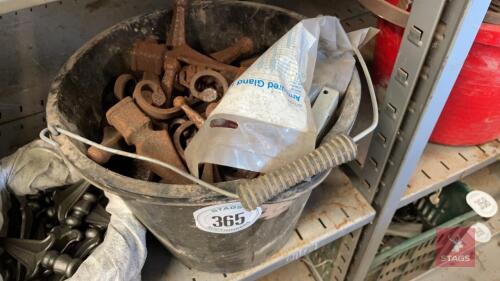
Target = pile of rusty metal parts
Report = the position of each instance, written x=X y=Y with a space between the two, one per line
x=49 y=234
x=179 y=87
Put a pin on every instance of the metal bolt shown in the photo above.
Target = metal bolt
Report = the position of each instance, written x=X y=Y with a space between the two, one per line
x=194 y=116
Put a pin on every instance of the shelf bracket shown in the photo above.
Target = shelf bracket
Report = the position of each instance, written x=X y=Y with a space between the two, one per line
x=409 y=112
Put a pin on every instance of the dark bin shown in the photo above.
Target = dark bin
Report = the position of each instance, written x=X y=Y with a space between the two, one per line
x=75 y=103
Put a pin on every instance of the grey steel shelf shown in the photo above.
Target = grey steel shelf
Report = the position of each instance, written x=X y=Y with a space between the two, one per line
x=436 y=40
x=335 y=209
x=441 y=165
x=295 y=271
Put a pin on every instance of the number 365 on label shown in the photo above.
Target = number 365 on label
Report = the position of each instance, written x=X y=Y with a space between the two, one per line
x=225 y=218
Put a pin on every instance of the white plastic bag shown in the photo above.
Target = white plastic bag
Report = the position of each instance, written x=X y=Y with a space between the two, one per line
x=264 y=120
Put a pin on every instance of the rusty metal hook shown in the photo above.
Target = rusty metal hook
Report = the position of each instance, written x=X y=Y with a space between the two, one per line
x=215 y=85
x=151 y=88
x=121 y=84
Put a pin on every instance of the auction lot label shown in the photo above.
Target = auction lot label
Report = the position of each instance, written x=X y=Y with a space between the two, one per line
x=225 y=218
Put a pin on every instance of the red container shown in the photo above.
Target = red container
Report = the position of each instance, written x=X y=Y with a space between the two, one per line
x=471 y=115
x=387 y=45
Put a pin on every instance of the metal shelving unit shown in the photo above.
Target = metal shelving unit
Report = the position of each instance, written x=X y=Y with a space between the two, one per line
x=334 y=209
x=436 y=41
x=397 y=172
x=441 y=165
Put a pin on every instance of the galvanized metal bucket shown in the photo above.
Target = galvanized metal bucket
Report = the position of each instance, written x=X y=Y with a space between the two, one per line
x=75 y=103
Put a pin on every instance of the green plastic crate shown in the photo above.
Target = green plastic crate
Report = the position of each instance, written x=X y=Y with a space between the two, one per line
x=416 y=255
